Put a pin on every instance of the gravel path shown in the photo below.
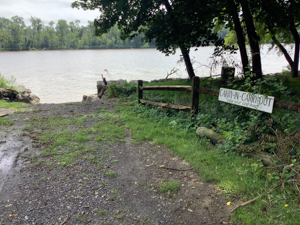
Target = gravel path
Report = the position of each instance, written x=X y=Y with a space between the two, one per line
x=111 y=183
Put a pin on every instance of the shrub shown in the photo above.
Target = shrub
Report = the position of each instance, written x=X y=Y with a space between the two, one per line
x=124 y=90
x=7 y=82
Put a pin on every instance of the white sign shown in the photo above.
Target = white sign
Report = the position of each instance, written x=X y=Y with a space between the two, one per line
x=246 y=99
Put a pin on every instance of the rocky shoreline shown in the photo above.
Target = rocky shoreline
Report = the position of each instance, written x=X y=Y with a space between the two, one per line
x=21 y=95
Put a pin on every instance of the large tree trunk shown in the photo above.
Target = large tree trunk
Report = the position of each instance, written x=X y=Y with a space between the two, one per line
x=184 y=50
x=253 y=39
x=233 y=12
x=296 y=54
x=187 y=61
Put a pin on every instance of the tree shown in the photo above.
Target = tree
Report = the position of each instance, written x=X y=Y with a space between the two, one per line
x=4 y=35
x=53 y=43
x=253 y=38
x=62 y=30
x=36 y=26
x=162 y=20
x=281 y=18
x=233 y=12
x=15 y=29
x=240 y=18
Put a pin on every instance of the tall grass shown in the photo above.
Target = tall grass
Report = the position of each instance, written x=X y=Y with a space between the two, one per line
x=10 y=84
x=7 y=82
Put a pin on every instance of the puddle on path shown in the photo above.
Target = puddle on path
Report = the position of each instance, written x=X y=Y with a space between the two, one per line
x=6 y=162
x=11 y=145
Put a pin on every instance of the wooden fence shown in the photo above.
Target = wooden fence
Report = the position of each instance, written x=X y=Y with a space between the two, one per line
x=195 y=91
x=185 y=88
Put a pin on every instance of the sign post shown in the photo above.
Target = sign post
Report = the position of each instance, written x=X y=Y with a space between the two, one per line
x=246 y=99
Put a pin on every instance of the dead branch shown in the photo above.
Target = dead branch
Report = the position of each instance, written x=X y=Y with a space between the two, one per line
x=103 y=79
x=252 y=200
x=168 y=168
x=293 y=181
x=144 y=221
x=284 y=170
x=245 y=203
x=174 y=70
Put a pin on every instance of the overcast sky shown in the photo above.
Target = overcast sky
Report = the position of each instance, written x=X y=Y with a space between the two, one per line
x=46 y=10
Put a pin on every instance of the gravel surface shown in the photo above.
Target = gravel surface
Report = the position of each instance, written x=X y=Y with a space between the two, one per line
x=122 y=188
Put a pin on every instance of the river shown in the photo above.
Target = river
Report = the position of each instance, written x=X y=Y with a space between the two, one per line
x=66 y=75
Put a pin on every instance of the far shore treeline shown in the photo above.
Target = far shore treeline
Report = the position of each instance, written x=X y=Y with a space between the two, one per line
x=15 y=35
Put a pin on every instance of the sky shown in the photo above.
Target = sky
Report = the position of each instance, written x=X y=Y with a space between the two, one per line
x=46 y=10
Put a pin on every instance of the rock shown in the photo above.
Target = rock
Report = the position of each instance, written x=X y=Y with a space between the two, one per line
x=101 y=88
x=31 y=99
x=90 y=98
x=23 y=90
x=117 y=82
x=100 y=83
x=23 y=98
x=133 y=82
x=14 y=96
x=8 y=94
x=34 y=99
x=266 y=158
x=210 y=134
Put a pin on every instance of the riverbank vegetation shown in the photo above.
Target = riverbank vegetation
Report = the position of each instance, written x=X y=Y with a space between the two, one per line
x=16 y=106
x=273 y=188
x=7 y=82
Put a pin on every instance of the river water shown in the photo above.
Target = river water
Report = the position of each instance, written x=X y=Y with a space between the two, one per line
x=65 y=76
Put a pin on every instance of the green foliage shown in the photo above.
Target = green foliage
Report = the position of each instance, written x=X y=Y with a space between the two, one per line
x=111 y=173
x=5 y=121
x=124 y=90
x=7 y=82
x=102 y=212
x=272 y=86
x=171 y=187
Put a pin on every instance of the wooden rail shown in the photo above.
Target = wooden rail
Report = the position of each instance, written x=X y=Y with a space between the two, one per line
x=169 y=88
x=193 y=89
x=166 y=105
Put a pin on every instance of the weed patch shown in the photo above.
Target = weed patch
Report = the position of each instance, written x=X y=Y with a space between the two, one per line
x=172 y=187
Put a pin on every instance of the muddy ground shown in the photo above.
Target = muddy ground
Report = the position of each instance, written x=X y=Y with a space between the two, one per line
x=86 y=193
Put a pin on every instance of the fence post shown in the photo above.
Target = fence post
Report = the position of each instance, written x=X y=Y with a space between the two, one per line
x=195 y=95
x=140 y=91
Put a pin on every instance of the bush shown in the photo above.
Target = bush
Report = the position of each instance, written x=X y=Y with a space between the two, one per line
x=124 y=90
x=7 y=82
